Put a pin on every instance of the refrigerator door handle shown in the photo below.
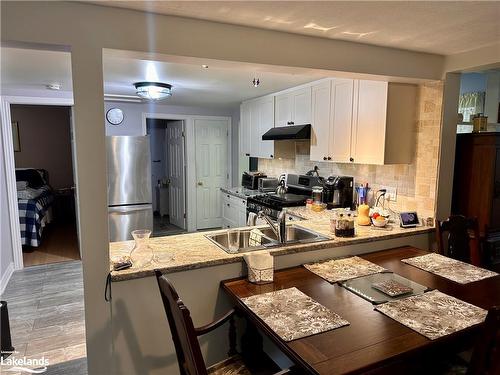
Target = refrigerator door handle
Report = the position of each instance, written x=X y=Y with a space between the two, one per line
x=126 y=209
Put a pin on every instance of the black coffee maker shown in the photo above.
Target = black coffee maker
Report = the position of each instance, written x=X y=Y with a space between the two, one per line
x=338 y=192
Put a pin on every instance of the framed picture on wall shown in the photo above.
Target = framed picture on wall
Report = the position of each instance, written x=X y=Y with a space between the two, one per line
x=15 y=136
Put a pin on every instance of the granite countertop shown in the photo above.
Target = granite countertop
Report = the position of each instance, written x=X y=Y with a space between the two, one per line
x=193 y=250
x=305 y=213
x=241 y=192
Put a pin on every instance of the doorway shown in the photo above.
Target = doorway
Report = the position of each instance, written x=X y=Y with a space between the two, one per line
x=168 y=175
x=45 y=183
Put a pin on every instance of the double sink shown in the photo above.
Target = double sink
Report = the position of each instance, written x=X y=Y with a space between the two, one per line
x=295 y=234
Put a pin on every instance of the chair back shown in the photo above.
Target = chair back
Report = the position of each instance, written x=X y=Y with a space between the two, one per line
x=486 y=355
x=458 y=244
x=182 y=328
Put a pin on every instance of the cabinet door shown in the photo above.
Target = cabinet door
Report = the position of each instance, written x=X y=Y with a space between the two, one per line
x=283 y=114
x=320 y=134
x=255 y=135
x=368 y=131
x=341 y=117
x=301 y=106
x=266 y=122
x=245 y=127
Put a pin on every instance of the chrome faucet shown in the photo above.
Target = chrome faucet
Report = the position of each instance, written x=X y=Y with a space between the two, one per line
x=279 y=229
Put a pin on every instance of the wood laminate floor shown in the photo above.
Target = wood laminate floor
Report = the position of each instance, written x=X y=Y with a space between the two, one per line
x=46 y=314
x=59 y=244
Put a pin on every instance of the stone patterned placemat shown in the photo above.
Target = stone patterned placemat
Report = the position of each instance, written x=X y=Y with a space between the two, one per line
x=449 y=268
x=336 y=270
x=292 y=314
x=433 y=314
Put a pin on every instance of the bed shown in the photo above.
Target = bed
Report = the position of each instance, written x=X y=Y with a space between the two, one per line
x=34 y=198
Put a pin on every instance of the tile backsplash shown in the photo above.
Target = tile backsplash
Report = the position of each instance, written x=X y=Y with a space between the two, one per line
x=415 y=183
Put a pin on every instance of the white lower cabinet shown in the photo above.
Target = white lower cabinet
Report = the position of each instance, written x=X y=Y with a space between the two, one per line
x=234 y=211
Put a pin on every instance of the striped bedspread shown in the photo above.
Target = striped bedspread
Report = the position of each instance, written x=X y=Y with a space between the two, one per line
x=31 y=217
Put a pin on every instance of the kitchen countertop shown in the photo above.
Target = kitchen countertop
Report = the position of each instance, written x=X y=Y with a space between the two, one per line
x=194 y=250
x=241 y=192
x=305 y=213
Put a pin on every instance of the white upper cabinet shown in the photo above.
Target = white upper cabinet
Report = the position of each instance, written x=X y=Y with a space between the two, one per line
x=341 y=115
x=321 y=139
x=283 y=112
x=256 y=118
x=368 y=130
x=293 y=107
x=331 y=120
x=266 y=112
x=383 y=130
x=301 y=106
x=365 y=122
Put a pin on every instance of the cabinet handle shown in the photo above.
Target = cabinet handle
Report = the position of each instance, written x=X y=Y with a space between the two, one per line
x=271 y=156
x=228 y=205
x=228 y=195
x=247 y=154
x=351 y=159
x=324 y=157
x=329 y=158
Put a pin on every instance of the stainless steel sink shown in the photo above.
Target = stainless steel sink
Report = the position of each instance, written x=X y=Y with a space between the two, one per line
x=295 y=234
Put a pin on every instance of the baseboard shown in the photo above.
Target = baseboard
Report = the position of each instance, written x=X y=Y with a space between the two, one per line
x=6 y=277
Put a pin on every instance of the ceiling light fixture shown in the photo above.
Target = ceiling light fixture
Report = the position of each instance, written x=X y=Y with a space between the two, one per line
x=256 y=82
x=53 y=86
x=204 y=66
x=153 y=90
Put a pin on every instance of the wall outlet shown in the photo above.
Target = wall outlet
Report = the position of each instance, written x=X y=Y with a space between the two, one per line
x=391 y=195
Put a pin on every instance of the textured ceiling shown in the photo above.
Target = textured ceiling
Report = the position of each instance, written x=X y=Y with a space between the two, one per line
x=441 y=27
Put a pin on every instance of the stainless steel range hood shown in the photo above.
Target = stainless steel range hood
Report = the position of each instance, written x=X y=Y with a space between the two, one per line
x=288 y=132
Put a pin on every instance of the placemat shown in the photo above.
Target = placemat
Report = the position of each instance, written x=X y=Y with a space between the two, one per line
x=343 y=269
x=449 y=268
x=292 y=314
x=433 y=314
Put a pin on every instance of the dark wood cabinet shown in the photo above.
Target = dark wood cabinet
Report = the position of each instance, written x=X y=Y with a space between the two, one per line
x=476 y=185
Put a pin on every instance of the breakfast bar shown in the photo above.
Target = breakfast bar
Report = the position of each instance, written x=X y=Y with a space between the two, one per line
x=197 y=268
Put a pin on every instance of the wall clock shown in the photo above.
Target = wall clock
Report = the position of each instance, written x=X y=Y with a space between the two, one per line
x=115 y=116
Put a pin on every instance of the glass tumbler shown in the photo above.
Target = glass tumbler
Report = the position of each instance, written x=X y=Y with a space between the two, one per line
x=142 y=253
x=233 y=241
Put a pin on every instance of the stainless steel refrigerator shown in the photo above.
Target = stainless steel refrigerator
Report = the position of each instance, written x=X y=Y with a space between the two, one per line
x=129 y=186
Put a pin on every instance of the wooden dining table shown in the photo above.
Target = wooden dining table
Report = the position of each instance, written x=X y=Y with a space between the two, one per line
x=372 y=342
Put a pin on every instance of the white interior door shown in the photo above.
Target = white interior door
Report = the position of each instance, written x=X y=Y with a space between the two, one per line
x=211 y=170
x=175 y=172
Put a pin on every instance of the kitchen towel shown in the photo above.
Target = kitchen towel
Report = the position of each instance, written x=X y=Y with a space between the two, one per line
x=252 y=217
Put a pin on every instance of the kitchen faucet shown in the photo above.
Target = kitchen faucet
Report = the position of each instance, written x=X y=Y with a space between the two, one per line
x=279 y=229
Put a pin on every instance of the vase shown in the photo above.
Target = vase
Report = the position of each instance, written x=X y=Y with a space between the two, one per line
x=142 y=253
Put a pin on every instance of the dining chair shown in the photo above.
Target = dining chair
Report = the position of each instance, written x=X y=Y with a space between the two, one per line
x=485 y=357
x=187 y=347
x=486 y=354
x=458 y=238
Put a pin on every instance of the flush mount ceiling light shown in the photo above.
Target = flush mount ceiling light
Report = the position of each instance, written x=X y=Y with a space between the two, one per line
x=53 y=86
x=204 y=66
x=153 y=90
x=256 y=82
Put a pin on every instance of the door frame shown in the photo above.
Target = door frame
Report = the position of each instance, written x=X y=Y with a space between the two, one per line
x=190 y=157
x=10 y=165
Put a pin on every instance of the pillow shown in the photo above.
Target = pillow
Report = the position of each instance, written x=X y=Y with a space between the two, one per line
x=32 y=176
